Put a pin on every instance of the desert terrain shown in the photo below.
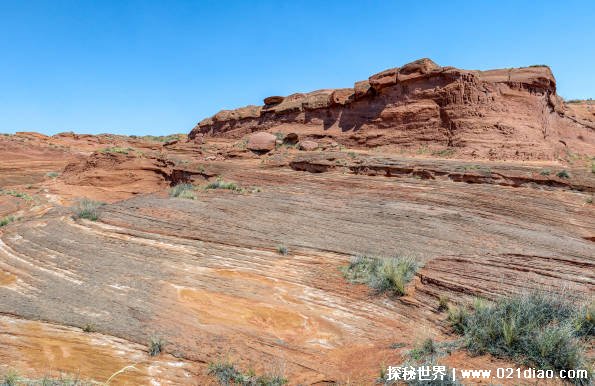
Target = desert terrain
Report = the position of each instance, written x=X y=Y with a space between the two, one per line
x=484 y=178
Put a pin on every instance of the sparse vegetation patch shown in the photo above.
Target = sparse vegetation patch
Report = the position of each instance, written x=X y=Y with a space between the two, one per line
x=87 y=209
x=89 y=327
x=117 y=150
x=17 y=194
x=383 y=275
x=6 y=220
x=220 y=184
x=227 y=374
x=545 y=172
x=156 y=346
x=448 y=152
x=443 y=303
x=160 y=138
x=12 y=378
x=536 y=329
x=183 y=191
x=426 y=348
x=563 y=174
x=52 y=174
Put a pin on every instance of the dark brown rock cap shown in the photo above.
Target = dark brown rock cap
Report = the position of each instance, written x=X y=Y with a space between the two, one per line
x=273 y=100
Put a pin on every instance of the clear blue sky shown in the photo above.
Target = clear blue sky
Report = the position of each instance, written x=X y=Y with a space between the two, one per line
x=158 y=67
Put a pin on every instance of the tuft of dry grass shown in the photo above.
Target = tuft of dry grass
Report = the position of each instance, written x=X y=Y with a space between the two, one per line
x=87 y=209
x=384 y=275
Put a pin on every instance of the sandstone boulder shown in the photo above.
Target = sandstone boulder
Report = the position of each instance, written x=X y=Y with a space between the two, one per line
x=261 y=142
x=308 y=145
x=422 y=66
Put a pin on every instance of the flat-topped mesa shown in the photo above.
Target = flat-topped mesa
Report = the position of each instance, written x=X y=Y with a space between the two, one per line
x=506 y=113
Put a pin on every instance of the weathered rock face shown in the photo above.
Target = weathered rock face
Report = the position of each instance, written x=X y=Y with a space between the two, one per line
x=497 y=114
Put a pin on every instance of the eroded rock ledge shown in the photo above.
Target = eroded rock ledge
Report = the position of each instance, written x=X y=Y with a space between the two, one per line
x=499 y=114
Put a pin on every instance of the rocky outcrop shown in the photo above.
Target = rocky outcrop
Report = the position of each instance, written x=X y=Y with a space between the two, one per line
x=498 y=114
x=114 y=176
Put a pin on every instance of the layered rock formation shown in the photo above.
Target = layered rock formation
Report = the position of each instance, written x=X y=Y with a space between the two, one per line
x=206 y=272
x=499 y=114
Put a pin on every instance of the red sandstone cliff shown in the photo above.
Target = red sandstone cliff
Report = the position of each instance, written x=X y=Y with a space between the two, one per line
x=500 y=114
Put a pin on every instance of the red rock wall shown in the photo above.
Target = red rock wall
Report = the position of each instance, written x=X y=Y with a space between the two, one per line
x=497 y=114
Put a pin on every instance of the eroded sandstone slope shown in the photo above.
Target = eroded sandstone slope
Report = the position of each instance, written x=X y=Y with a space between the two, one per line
x=205 y=273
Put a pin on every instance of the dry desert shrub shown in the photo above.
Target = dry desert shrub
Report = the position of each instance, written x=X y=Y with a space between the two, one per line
x=384 y=275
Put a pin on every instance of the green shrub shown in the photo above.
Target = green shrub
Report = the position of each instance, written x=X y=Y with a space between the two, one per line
x=585 y=320
x=11 y=378
x=457 y=317
x=443 y=303
x=383 y=275
x=426 y=348
x=183 y=191
x=161 y=138
x=557 y=347
x=156 y=346
x=448 y=152
x=545 y=172
x=563 y=174
x=89 y=327
x=227 y=374
x=282 y=250
x=220 y=184
x=6 y=220
x=87 y=209
x=52 y=174
x=116 y=149
x=17 y=194
x=537 y=329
